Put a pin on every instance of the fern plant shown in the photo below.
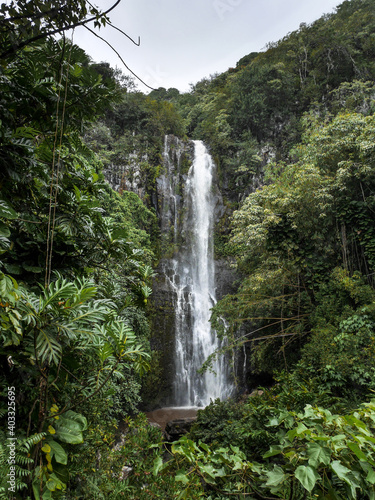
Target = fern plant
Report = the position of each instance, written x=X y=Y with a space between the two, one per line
x=22 y=462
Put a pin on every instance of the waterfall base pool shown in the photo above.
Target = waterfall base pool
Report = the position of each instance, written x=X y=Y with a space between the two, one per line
x=162 y=416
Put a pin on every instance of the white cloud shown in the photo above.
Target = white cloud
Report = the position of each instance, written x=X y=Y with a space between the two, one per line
x=182 y=42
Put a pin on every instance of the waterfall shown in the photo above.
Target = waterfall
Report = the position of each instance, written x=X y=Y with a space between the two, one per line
x=191 y=276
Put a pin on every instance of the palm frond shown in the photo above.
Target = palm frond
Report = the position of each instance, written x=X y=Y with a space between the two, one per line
x=57 y=291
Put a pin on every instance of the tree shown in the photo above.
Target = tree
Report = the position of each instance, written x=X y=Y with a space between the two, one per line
x=62 y=340
x=23 y=23
x=289 y=236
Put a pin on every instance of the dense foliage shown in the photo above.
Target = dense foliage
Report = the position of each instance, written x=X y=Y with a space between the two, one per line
x=292 y=130
x=75 y=255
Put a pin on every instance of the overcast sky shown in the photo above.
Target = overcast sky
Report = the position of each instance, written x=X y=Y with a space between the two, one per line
x=185 y=41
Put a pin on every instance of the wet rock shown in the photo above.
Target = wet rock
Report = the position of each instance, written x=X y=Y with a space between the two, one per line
x=177 y=428
x=256 y=392
x=154 y=424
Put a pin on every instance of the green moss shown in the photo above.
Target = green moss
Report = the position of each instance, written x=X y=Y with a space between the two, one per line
x=185 y=163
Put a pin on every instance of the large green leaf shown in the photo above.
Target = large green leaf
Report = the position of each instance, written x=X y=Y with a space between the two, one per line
x=58 y=452
x=275 y=477
x=6 y=211
x=32 y=269
x=340 y=470
x=70 y=426
x=47 y=347
x=4 y=244
x=4 y=230
x=357 y=451
x=318 y=454
x=307 y=476
x=13 y=268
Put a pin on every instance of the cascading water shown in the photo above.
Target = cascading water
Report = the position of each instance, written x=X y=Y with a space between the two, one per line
x=192 y=278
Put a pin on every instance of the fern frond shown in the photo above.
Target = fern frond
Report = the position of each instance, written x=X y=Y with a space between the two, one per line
x=31 y=441
x=21 y=472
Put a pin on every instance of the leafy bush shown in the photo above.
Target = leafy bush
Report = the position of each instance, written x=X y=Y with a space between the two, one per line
x=241 y=424
x=318 y=455
x=122 y=470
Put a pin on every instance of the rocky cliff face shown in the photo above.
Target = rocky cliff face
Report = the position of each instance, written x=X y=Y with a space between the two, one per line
x=174 y=211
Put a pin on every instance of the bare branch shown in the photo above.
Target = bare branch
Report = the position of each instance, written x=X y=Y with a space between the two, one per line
x=123 y=33
x=119 y=56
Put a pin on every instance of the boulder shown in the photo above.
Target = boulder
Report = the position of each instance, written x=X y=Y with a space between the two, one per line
x=177 y=428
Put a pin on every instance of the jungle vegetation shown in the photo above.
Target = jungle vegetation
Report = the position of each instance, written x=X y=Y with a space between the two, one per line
x=292 y=131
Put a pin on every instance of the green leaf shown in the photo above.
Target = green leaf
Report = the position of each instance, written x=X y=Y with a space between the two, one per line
x=182 y=478
x=13 y=268
x=4 y=230
x=70 y=426
x=274 y=450
x=4 y=244
x=158 y=464
x=357 y=451
x=307 y=476
x=36 y=490
x=208 y=469
x=6 y=211
x=291 y=434
x=48 y=348
x=54 y=483
x=32 y=269
x=58 y=452
x=78 y=418
x=340 y=470
x=275 y=477
x=301 y=428
x=204 y=447
x=371 y=476
x=273 y=422
x=318 y=454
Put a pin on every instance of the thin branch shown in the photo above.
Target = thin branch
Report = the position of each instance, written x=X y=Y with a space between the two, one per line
x=30 y=221
x=57 y=373
x=118 y=29
x=119 y=56
x=250 y=318
x=254 y=331
x=125 y=34
x=48 y=247
x=30 y=414
x=276 y=335
x=71 y=374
